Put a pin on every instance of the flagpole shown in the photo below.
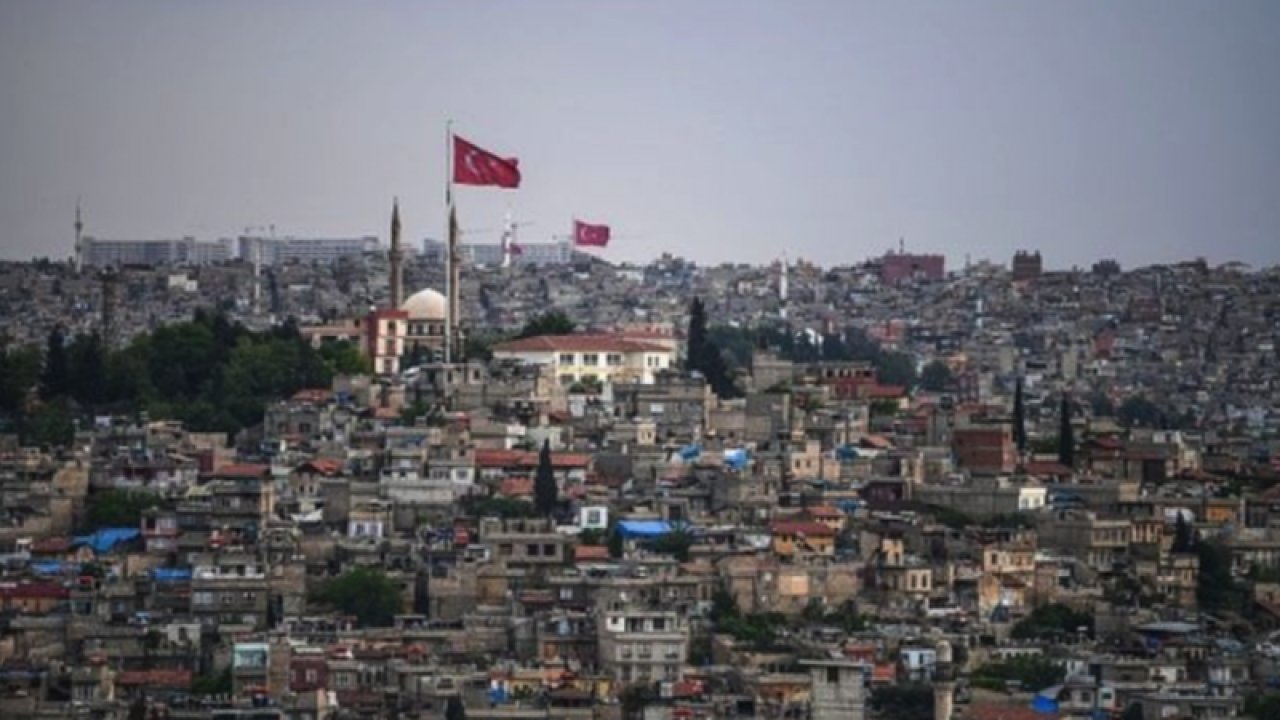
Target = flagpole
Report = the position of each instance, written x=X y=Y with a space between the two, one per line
x=448 y=241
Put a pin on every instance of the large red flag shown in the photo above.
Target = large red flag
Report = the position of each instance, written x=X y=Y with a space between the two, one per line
x=588 y=235
x=474 y=166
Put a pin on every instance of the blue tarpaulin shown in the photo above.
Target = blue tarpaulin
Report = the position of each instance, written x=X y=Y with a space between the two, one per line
x=170 y=574
x=736 y=458
x=107 y=539
x=644 y=528
x=690 y=452
x=846 y=453
x=1041 y=703
x=53 y=567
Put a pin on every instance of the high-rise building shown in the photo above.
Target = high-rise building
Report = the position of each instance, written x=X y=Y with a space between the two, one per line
x=281 y=251
x=1027 y=266
x=491 y=254
x=899 y=267
x=97 y=252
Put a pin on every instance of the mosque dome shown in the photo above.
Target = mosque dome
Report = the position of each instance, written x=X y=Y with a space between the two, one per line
x=425 y=305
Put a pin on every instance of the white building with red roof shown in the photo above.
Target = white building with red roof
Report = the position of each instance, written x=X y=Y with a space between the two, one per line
x=603 y=358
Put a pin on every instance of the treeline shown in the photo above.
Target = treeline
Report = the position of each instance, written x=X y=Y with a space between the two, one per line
x=211 y=373
x=852 y=345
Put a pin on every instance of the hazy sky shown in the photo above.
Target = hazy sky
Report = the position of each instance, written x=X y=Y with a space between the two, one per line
x=729 y=130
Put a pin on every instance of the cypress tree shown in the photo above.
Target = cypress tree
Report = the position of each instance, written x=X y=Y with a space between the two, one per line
x=545 y=493
x=1019 y=419
x=1183 y=539
x=455 y=710
x=55 y=381
x=702 y=356
x=1066 y=435
x=696 y=343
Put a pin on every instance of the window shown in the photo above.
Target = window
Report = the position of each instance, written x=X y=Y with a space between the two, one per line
x=531 y=550
x=590 y=359
x=549 y=550
x=833 y=676
x=614 y=359
x=566 y=358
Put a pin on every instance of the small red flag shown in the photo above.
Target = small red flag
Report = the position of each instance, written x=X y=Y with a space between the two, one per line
x=515 y=249
x=588 y=235
x=475 y=166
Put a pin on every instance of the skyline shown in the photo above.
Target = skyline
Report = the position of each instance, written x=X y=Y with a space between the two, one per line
x=1141 y=132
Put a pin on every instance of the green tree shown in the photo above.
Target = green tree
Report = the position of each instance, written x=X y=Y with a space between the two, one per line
x=19 y=374
x=52 y=424
x=1133 y=712
x=368 y=594
x=1261 y=706
x=615 y=542
x=210 y=684
x=545 y=492
x=1030 y=672
x=1066 y=435
x=723 y=605
x=896 y=368
x=499 y=507
x=479 y=346
x=1138 y=411
x=1216 y=589
x=902 y=702
x=936 y=376
x=676 y=543
x=88 y=368
x=552 y=322
x=1019 y=419
x=703 y=356
x=1048 y=621
x=182 y=360
x=55 y=380
x=1101 y=405
x=342 y=357
x=118 y=508
x=1183 y=536
x=455 y=710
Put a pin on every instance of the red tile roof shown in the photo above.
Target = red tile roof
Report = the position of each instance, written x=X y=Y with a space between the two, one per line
x=247 y=470
x=155 y=678
x=590 y=553
x=324 y=466
x=825 y=511
x=51 y=545
x=517 y=487
x=313 y=395
x=1036 y=467
x=801 y=527
x=578 y=343
x=37 y=590
x=487 y=458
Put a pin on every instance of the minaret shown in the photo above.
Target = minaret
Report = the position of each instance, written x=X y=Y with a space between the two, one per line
x=396 y=256
x=508 y=237
x=782 y=288
x=79 y=259
x=452 y=345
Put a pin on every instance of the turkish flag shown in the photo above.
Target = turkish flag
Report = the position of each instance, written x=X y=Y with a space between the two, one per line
x=474 y=166
x=588 y=235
